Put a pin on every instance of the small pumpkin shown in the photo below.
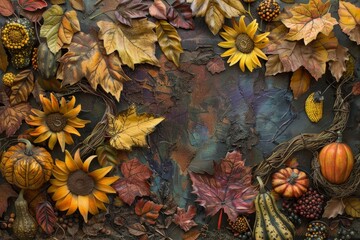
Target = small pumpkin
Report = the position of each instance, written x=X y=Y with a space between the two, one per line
x=290 y=182
x=336 y=161
x=26 y=166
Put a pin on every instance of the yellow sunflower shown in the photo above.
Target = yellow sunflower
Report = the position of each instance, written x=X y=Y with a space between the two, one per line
x=245 y=46
x=74 y=187
x=56 y=122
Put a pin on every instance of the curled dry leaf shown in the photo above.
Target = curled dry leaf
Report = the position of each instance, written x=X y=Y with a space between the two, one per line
x=169 y=41
x=3 y=58
x=147 y=210
x=59 y=28
x=32 y=5
x=158 y=10
x=179 y=15
x=300 y=82
x=216 y=65
x=352 y=207
x=137 y=229
x=45 y=217
x=184 y=218
x=78 y=5
x=338 y=66
x=6 y=8
x=356 y=89
x=22 y=87
x=349 y=20
x=333 y=208
x=6 y=192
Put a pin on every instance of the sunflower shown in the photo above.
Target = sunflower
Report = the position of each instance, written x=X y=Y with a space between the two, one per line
x=56 y=122
x=245 y=46
x=74 y=187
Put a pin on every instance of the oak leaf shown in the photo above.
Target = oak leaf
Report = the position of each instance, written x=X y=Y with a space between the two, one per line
x=147 y=210
x=158 y=10
x=6 y=192
x=87 y=58
x=59 y=27
x=3 y=58
x=22 y=87
x=352 y=207
x=356 y=89
x=308 y=20
x=169 y=41
x=45 y=217
x=349 y=20
x=179 y=15
x=184 y=218
x=135 y=181
x=229 y=188
x=338 y=66
x=134 y=44
x=216 y=65
x=333 y=208
x=32 y=5
x=130 y=129
x=78 y=5
x=300 y=82
x=6 y=8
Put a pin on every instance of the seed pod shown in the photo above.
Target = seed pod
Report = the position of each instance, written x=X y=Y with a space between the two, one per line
x=314 y=106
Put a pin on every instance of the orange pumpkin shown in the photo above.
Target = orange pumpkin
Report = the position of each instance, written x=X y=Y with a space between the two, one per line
x=336 y=162
x=290 y=182
x=26 y=166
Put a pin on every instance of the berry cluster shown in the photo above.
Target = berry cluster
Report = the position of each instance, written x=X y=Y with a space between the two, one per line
x=67 y=221
x=8 y=221
x=268 y=10
x=310 y=205
x=345 y=233
x=240 y=225
x=245 y=235
x=316 y=231
x=288 y=209
x=34 y=62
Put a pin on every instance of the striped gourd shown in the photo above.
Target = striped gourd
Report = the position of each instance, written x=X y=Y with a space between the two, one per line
x=270 y=223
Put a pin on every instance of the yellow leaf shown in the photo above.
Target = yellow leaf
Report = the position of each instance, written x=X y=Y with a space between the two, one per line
x=214 y=18
x=134 y=44
x=349 y=20
x=169 y=41
x=77 y=5
x=130 y=129
x=300 y=82
x=352 y=207
x=308 y=20
x=59 y=28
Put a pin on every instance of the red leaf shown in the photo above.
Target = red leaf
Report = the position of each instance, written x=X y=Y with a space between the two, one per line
x=6 y=8
x=229 y=188
x=356 y=89
x=34 y=16
x=216 y=65
x=45 y=216
x=6 y=192
x=147 y=210
x=184 y=218
x=180 y=15
x=135 y=181
x=158 y=10
x=32 y=5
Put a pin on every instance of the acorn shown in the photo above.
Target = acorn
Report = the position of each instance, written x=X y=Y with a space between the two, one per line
x=268 y=10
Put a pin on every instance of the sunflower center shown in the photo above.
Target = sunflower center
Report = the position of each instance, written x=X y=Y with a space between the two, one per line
x=244 y=43
x=80 y=183
x=56 y=121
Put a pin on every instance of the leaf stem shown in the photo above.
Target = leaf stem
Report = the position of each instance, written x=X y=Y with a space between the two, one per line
x=220 y=219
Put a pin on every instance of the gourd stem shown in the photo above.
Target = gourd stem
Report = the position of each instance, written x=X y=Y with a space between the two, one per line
x=262 y=187
x=21 y=195
x=339 y=138
x=28 y=147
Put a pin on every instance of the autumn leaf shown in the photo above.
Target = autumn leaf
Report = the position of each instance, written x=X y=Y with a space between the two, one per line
x=356 y=89
x=22 y=87
x=12 y=117
x=147 y=210
x=35 y=16
x=179 y=15
x=215 y=65
x=6 y=8
x=292 y=162
x=158 y=10
x=229 y=188
x=352 y=207
x=137 y=229
x=78 y=5
x=134 y=44
x=45 y=217
x=59 y=28
x=300 y=82
x=308 y=20
x=338 y=66
x=349 y=20
x=107 y=155
x=193 y=234
x=87 y=58
x=3 y=58
x=333 y=208
x=32 y=5
x=57 y=1
x=184 y=218
x=135 y=181
x=130 y=129
x=169 y=41
x=6 y=192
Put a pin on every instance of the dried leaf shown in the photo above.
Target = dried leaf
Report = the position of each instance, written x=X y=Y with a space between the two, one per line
x=292 y=163
x=308 y=20
x=22 y=87
x=35 y=16
x=6 y=8
x=356 y=89
x=179 y=15
x=352 y=207
x=6 y=192
x=78 y=5
x=229 y=188
x=3 y=58
x=338 y=66
x=12 y=116
x=137 y=229
x=169 y=41
x=59 y=28
x=215 y=65
x=87 y=58
x=147 y=210
x=32 y=5
x=46 y=218
x=53 y=2
x=135 y=181
x=193 y=234
x=158 y=10
x=33 y=197
x=134 y=44
x=184 y=218
x=107 y=156
x=333 y=208
x=300 y=82
x=73 y=229
x=349 y=20
x=214 y=18
x=130 y=129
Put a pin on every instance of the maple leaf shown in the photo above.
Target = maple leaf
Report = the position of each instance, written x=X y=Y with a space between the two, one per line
x=130 y=129
x=6 y=8
x=184 y=218
x=179 y=14
x=229 y=188
x=22 y=87
x=134 y=44
x=308 y=20
x=45 y=217
x=87 y=58
x=349 y=20
x=333 y=208
x=3 y=58
x=147 y=210
x=338 y=66
x=32 y=5
x=77 y=5
x=169 y=41
x=356 y=89
x=215 y=65
x=59 y=28
x=6 y=192
x=300 y=82
x=12 y=117
x=134 y=182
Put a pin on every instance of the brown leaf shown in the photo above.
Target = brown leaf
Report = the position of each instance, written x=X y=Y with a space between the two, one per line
x=193 y=234
x=6 y=8
x=3 y=58
x=184 y=218
x=349 y=20
x=107 y=156
x=338 y=66
x=300 y=82
x=137 y=229
x=179 y=14
x=333 y=208
x=158 y=10
x=32 y=5
x=35 y=16
x=352 y=207
x=215 y=65
x=45 y=217
x=12 y=116
x=87 y=58
x=22 y=87
x=308 y=20
x=147 y=210
x=78 y=5
x=356 y=89
x=6 y=192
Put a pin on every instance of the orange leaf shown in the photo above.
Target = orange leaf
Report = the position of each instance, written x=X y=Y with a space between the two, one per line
x=6 y=8
x=349 y=20
x=300 y=82
x=356 y=89
x=23 y=86
x=78 y=5
x=308 y=20
x=147 y=210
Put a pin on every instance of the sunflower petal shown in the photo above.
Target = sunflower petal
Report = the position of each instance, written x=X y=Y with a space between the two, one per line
x=68 y=138
x=77 y=122
x=229 y=52
x=101 y=196
x=105 y=188
x=64 y=204
x=255 y=59
x=260 y=53
x=242 y=63
x=235 y=58
x=61 y=165
x=73 y=112
x=92 y=205
x=63 y=109
x=100 y=173
x=88 y=162
x=227 y=36
x=57 y=183
x=77 y=159
x=249 y=63
x=38 y=112
x=61 y=139
x=261 y=37
x=251 y=29
x=60 y=175
x=100 y=205
x=71 y=103
x=46 y=104
x=52 y=189
x=242 y=25
x=39 y=130
x=52 y=141
x=71 y=129
x=232 y=32
x=43 y=137
x=227 y=44
x=73 y=205
x=83 y=205
x=54 y=103
x=108 y=180
x=70 y=163
x=61 y=192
